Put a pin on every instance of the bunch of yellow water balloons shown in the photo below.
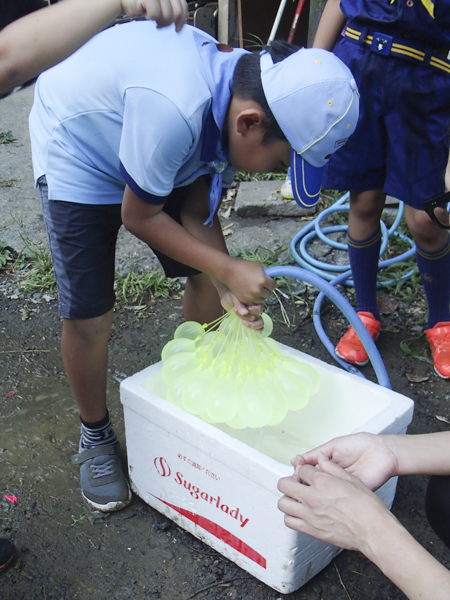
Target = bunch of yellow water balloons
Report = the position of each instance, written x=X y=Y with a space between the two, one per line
x=225 y=372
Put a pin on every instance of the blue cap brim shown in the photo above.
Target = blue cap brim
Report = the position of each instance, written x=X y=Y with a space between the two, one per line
x=306 y=181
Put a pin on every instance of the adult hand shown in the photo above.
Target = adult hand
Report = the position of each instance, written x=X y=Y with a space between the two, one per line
x=365 y=455
x=330 y=504
x=164 y=12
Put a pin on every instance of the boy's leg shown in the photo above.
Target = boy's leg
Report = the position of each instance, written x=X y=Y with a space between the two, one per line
x=201 y=301
x=364 y=241
x=82 y=242
x=433 y=262
x=84 y=346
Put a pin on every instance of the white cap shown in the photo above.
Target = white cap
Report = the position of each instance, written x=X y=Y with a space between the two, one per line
x=315 y=101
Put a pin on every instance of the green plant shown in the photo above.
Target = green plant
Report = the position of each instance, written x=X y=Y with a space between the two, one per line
x=267 y=256
x=5 y=255
x=423 y=354
x=246 y=176
x=6 y=137
x=35 y=263
x=135 y=287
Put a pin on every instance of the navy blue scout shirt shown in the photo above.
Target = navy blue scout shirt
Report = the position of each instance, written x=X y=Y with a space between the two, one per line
x=427 y=21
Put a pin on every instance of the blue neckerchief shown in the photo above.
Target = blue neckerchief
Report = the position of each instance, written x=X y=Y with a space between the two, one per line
x=219 y=69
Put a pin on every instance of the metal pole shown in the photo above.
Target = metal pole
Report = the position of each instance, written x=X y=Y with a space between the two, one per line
x=277 y=21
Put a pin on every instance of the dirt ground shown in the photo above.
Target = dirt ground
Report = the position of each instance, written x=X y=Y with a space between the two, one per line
x=65 y=551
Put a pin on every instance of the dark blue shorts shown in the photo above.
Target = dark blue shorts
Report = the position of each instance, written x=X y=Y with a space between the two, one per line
x=400 y=143
x=83 y=243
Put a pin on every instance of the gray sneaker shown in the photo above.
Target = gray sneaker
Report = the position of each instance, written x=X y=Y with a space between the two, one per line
x=103 y=483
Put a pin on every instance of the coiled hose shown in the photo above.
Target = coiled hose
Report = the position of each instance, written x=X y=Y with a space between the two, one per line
x=323 y=276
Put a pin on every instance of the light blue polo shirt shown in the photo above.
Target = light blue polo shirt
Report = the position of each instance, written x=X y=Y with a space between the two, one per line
x=132 y=106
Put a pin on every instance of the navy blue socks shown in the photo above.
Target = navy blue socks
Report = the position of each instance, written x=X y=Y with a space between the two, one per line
x=364 y=257
x=434 y=268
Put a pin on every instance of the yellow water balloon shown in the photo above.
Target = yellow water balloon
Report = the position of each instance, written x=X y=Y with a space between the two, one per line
x=222 y=401
x=303 y=370
x=179 y=366
x=268 y=325
x=225 y=372
x=175 y=393
x=236 y=422
x=278 y=400
x=255 y=405
x=294 y=390
x=189 y=329
x=193 y=396
x=176 y=346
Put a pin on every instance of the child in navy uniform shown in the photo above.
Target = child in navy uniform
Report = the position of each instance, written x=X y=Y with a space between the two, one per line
x=146 y=127
x=397 y=52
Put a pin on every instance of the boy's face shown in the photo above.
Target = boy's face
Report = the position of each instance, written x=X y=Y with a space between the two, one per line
x=250 y=154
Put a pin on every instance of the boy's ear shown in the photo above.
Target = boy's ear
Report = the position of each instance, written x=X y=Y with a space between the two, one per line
x=249 y=119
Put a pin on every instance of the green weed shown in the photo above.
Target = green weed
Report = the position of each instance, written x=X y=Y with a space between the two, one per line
x=267 y=256
x=134 y=288
x=6 y=137
x=5 y=255
x=35 y=264
x=246 y=176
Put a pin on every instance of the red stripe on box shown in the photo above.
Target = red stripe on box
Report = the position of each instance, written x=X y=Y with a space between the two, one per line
x=221 y=533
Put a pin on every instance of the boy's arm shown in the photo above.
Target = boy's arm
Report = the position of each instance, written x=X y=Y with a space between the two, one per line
x=47 y=36
x=196 y=247
x=331 y=23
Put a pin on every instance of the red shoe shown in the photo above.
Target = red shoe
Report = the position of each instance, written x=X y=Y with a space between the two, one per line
x=439 y=340
x=350 y=347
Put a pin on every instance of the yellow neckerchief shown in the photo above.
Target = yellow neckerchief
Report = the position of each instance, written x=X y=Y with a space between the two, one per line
x=428 y=4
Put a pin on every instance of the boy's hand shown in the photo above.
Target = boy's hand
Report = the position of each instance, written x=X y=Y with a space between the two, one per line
x=247 y=281
x=250 y=315
x=164 y=12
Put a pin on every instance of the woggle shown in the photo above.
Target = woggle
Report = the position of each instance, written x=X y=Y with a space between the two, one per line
x=224 y=372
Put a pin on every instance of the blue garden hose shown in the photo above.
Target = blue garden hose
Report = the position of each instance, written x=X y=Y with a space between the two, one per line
x=324 y=271
x=327 y=289
x=328 y=271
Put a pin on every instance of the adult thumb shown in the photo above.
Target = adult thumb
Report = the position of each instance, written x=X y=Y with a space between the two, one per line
x=328 y=466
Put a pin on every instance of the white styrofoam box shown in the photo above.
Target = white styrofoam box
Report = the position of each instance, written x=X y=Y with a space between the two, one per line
x=220 y=484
